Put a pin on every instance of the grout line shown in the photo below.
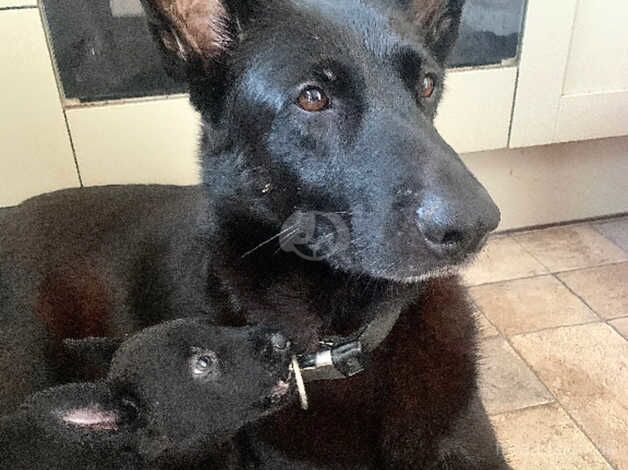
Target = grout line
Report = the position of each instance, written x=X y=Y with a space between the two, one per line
x=522 y=246
x=71 y=139
x=527 y=408
x=548 y=273
x=578 y=425
x=556 y=328
x=578 y=296
x=608 y=322
x=504 y=281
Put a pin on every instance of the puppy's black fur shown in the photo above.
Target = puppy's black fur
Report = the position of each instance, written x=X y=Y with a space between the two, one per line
x=175 y=396
x=307 y=107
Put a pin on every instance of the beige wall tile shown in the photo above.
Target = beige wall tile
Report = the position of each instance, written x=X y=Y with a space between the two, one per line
x=545 y=437
x=574 y=247
x=605 y=288
x=527 y=305
x=506 y=382
x=586 y=369
x=502 y=259
x=35 y=152
x=137 y=142
x=621 y=325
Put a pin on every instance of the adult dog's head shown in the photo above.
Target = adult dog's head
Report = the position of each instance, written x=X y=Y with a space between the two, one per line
x=318 y=123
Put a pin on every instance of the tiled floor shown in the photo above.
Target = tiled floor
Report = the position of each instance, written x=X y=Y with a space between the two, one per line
x=553 y=312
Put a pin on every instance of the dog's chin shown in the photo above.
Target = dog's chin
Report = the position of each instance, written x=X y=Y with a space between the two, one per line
x=400 y=271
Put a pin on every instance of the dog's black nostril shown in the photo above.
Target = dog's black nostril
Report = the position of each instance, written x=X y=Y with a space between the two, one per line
x=443 y=234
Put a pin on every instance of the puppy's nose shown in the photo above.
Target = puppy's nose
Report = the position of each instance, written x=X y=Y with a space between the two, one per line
x=453 y=231
x=280 y=343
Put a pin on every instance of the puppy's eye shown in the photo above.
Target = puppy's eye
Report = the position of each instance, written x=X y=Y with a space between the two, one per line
x=204 y=363
x=428 y=84
x=313 y=99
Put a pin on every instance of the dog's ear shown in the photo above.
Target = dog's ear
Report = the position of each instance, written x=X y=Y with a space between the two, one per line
x=91 y=418
x=439 y=21
x=193 y=35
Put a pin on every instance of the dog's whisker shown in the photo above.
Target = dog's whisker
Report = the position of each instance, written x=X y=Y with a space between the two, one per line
x=264 y=243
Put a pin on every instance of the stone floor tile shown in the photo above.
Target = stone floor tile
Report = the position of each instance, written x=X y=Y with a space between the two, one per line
x=485 y=328
x=527 y=305
x=586 y=368
x=506 y=382
x=545 y=437
x=616 y=231
x=604 y=289
x=501 y=259
x=570 y=247
x=621 y=325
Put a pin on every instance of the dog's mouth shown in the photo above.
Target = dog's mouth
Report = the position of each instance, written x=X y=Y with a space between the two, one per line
x=281 y=392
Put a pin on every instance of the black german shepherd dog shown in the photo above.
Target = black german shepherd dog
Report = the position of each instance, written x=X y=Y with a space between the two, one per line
x=320 y=107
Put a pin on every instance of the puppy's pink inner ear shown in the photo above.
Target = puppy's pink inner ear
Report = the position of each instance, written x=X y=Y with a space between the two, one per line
x=91 y=418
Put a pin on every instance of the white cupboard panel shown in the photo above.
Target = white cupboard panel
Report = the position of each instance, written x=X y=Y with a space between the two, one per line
x=475 y=111
x=36 y=155
x=544 y=55
x=598 y=57
x=136 y=142
x=592 y=116
x=17 y=3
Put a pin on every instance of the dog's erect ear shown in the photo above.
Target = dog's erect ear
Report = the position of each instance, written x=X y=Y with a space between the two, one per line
x=193 y=35
x=439 y=21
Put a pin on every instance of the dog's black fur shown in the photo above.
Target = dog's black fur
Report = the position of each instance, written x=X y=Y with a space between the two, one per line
x=108 y=261
x=175 y=396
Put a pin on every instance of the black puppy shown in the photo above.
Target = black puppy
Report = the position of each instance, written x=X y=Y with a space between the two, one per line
x=329 y=204
x=174 y=397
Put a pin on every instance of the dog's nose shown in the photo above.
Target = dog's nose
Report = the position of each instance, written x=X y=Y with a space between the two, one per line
x=452 y=231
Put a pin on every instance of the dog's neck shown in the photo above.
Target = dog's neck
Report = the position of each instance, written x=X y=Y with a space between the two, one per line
x=307 y=300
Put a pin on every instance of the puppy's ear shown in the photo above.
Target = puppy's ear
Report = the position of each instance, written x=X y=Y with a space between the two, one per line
x=194 y=35
x=93 y=352
x=439 y=21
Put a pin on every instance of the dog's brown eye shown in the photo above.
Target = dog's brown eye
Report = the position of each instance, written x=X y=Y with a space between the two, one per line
x=427 y=86
x=313 y=99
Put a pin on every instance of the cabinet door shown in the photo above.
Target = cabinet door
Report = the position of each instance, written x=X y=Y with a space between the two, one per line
x=573 y=79
x=36 y=154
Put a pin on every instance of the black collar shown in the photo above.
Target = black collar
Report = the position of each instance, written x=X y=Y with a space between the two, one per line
x=344 y=357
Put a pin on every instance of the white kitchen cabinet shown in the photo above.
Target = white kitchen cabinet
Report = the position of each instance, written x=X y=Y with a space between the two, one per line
x=573 y=72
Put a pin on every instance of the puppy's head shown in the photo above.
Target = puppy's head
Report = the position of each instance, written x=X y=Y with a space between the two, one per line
x=184 y=387
x=195 y=384
x=318 y=124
